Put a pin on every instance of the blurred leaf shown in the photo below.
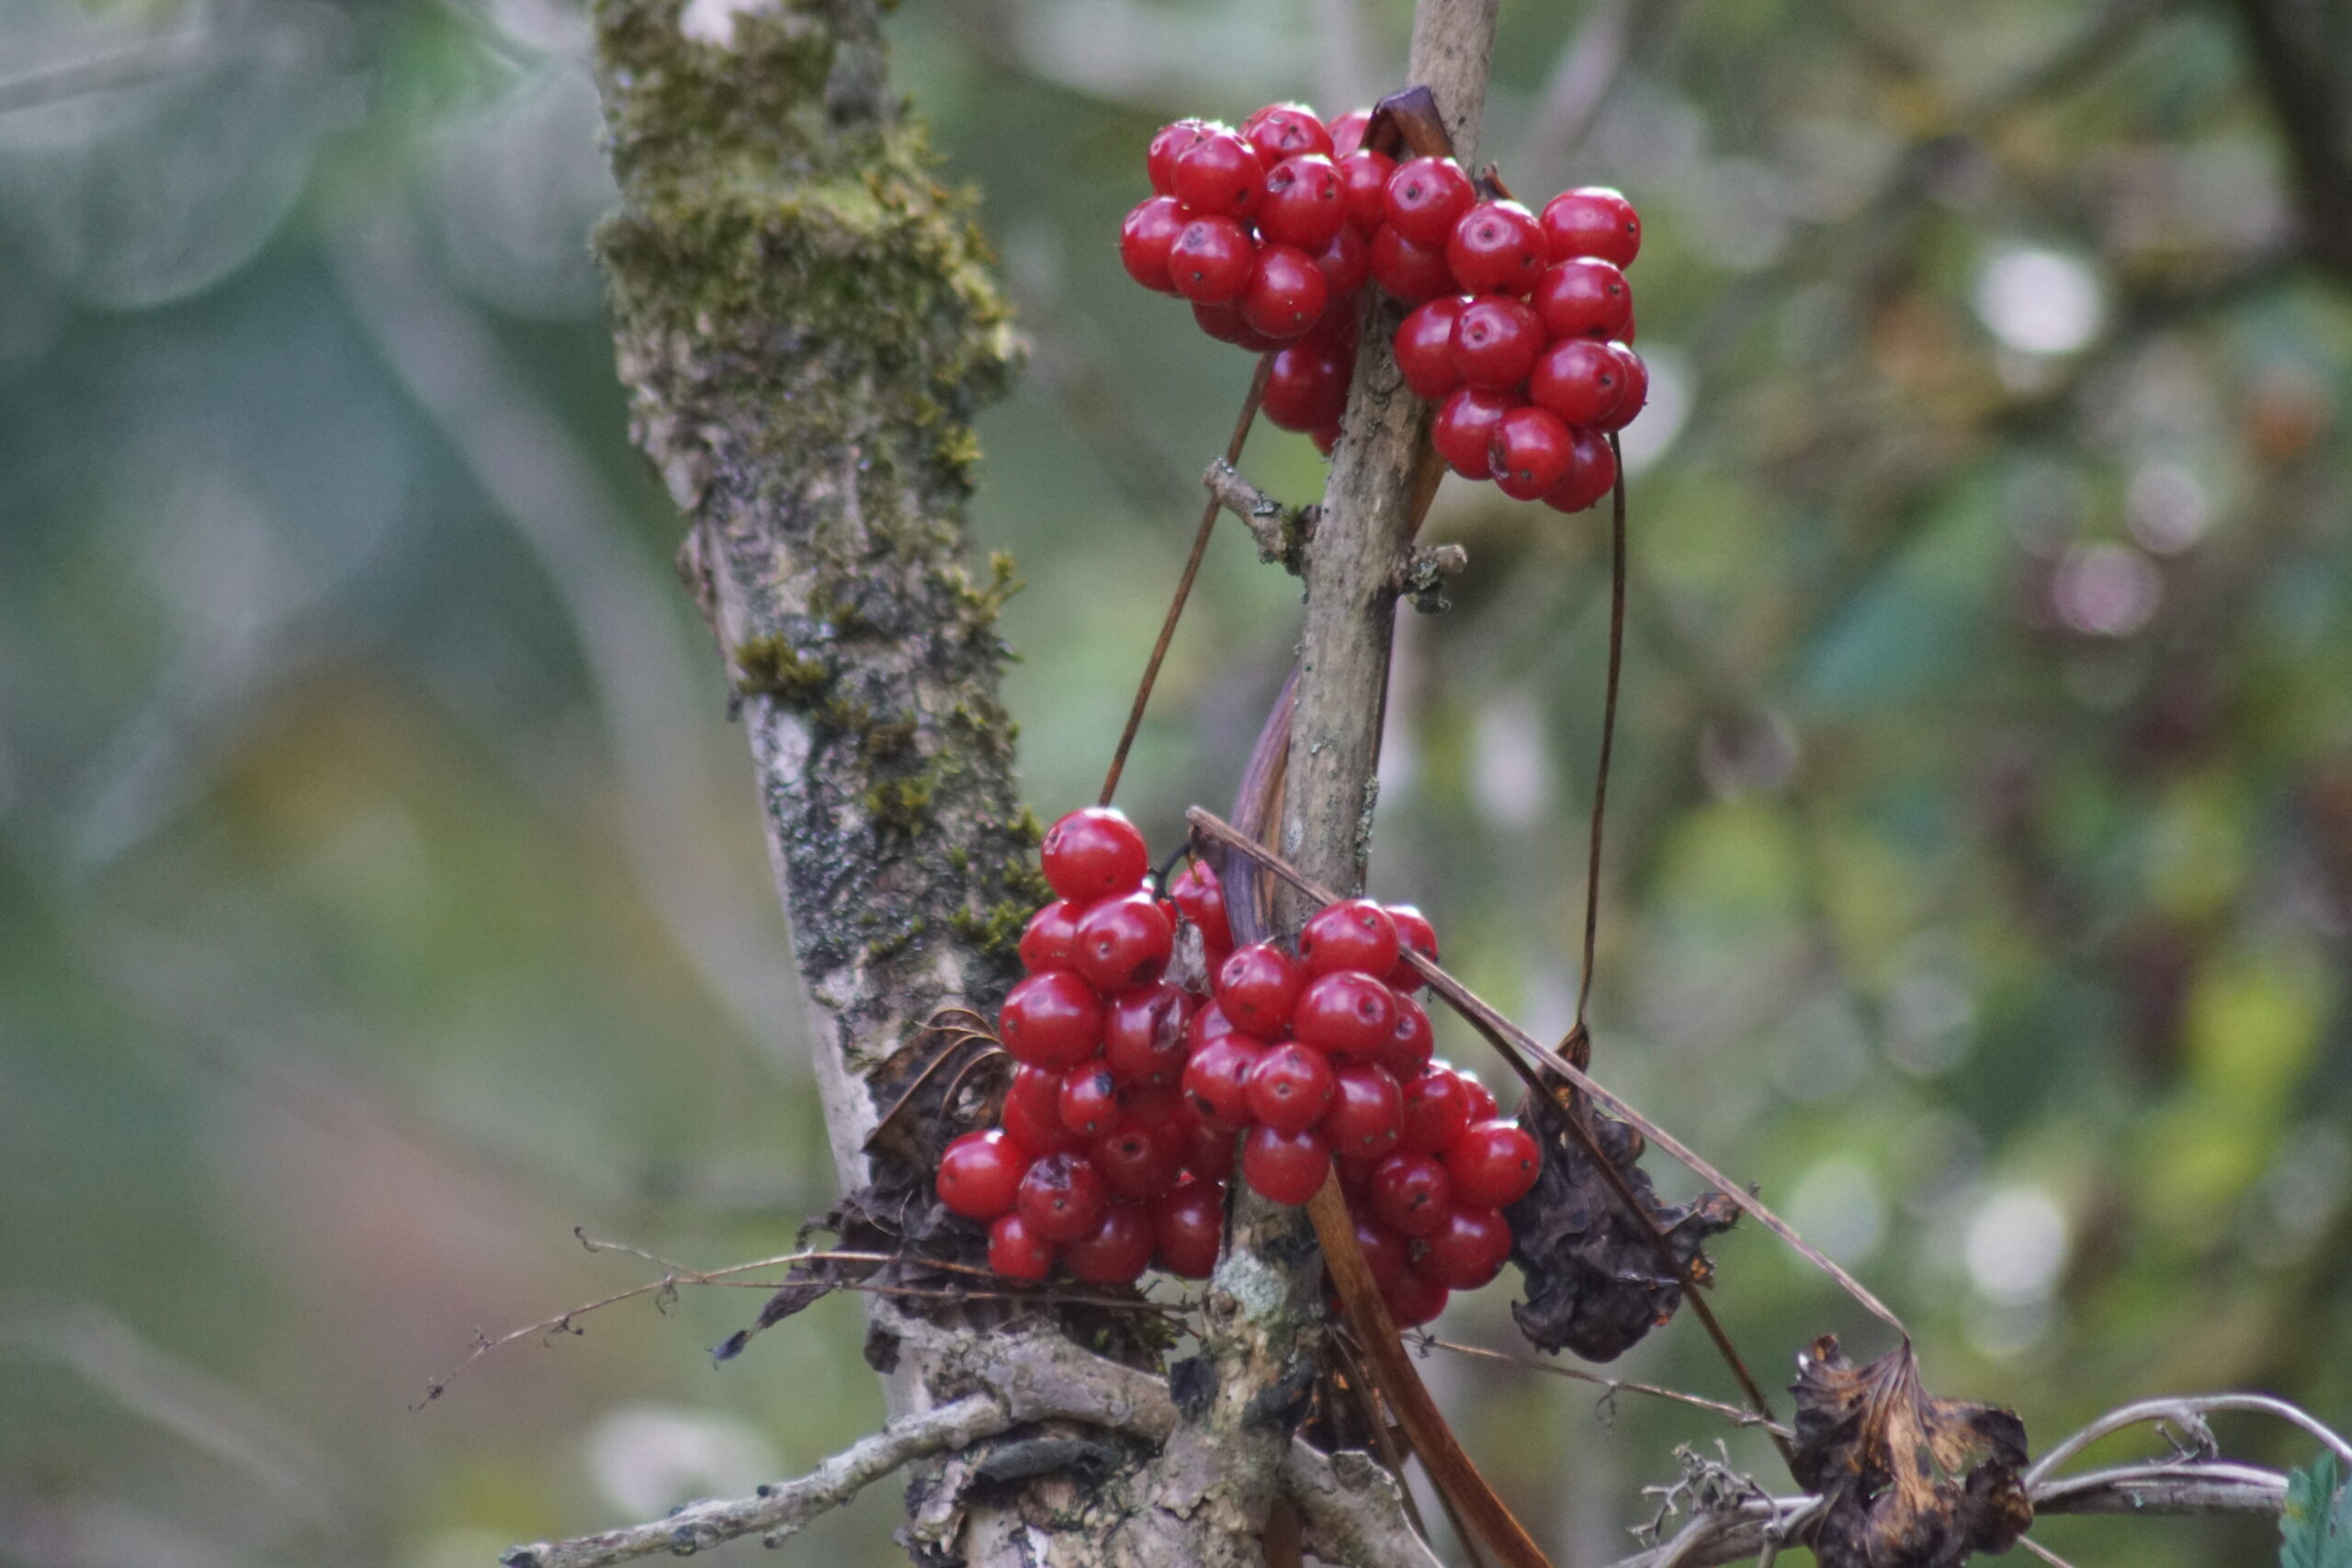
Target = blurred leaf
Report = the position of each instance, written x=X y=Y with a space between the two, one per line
x=2315 y=1530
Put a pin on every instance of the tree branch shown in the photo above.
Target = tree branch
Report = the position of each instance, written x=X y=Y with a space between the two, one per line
x=1354 y=1510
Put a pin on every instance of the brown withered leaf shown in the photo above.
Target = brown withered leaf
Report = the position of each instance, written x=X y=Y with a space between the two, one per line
x=1912 y=1481
x=1596 y=1281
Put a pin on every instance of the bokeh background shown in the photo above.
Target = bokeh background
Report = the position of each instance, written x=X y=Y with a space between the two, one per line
x=381 y=896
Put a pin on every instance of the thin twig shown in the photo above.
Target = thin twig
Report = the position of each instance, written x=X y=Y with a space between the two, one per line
x=1613 y=1386
x=1608 y=739
x=2043 y=1551
x=2188 y=1409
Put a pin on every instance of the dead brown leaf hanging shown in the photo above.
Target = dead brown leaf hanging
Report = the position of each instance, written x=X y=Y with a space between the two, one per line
x=1911 y=1481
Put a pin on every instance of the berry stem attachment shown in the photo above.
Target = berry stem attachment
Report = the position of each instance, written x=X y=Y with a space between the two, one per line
x=1240 y=438
x=1578 y=1046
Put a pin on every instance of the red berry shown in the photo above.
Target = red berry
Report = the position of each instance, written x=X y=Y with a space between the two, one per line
x=1139 y=1159
x=1039 y=1132
x=1578 y=379
x=1063 y=1197
x=1284 y=1167
x=1411 y=1042
x=1116 y=1251
x=1531 y=451
x=1415 y=1299
x=1424 y=198
x=1221 y=175
x=1039 y=1088
x=1497 y=247
x=1346 y=1015
x=1144 y=239
x=1493 y=1163
x=1303 y=204
x=1256 y=987
x=1285 y=293
x=1224 y=323
x=1172 y=142
x=1364 y=182
x=980 y=1174
x=1217 y=1082
x=1412 y=273
x=1209 y=1023
x=1468 y=1249
x=1050 y=940
x=1591 y=474
x=1424 y=346
x=1584 y=297
x=1017 y=1251
x=1160 y=1108
x=1089 y=1106
x=1124 y=942
x=1437 y=1110
x=1354 y=933
x=1327 y=440
x=1637 y=389
x=1365 y=1112
x=1592 y=221
x=1200 y=898
x=1482 y=1098
x=1053 y=1020
x=1410 y=1193
x=1286 y=130
x=1208 y=1151
x=1465 y=429
x=1094 y=852
x=1346 y=262
x=1495 y=341
x=1188 y=1223
x=1210 y=261
x=1290 y=1088
x=1347 y=131
x=1414 y=931
x=1143 y=1033
x=1384 y=1250
x=1306 y=387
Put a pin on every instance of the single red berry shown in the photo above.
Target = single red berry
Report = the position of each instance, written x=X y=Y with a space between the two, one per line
x=1200 y=898
x=1285 y=293
x=1465 y=429
x=1094 y=852
x=1354 y=933
x=1171 y=143
x=1493 y=1163
x=1208 y=1151
x=1137 y=1159
x=1637 y=389
x=1159 y=1106
x=1039 y=1132
x=1286 y=130
x=1347 y=131
x=1256 y=987
x=1496 y=343
x=1210 y=261
x=1346 y=1015
x=1144 y=239
x=1217 y=1082
x=1220 y=175
x=1424 y=198
x=1530 y=452
x=1306 y=387
x=1188 y=1223
x=1412 y=1042
x=1346 y=262
x=1415 y=1299
x=1089 y=1106
x=1355 y=1179
x=1591 y=474
x=1050 y=940
x=1384 y=1250
x=1410 y=1193
x=1304 y=204
x=1593 y=220
x=1437 y=1110
x=1482 y=1098
x=1584 y=297
x=1143 y=1033
x=1063 y=1197
x=1468 y=1249
x=1116 y=1251
x=1327 y=440
x=980 y=1173
x=1224 y=323
x=1290 y=1088
x=1411 y=273
x=1497 y=247
x=1209 y=1023
x=1365 y=1112
x=1284 y=1167
x=1124 y=942
x=1424 y=346
x=1053 y=1020
x=1017 y=1251
x=1040 y=1089
x=1414 y=931
x=1578 y=379
x=1364 y=182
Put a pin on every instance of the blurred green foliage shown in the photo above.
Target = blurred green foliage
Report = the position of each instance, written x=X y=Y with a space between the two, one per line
x=383 y=896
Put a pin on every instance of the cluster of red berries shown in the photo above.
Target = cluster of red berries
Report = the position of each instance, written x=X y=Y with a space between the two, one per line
x=1130 y=1091
x=1521 y=323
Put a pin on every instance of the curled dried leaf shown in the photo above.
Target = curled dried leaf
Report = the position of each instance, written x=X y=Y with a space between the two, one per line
x=1911 y=1481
